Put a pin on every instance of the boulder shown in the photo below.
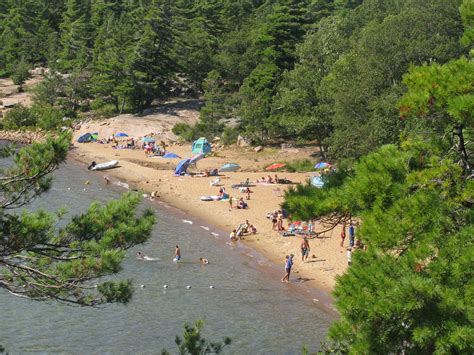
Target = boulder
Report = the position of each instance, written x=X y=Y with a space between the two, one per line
x=258 y=149
x=243 y=141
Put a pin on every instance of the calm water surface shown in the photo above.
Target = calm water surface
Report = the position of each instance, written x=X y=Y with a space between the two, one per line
x=259 y=313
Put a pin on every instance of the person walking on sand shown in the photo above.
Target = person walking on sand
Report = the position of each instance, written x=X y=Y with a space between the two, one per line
x=305 y=249
x=280 y=221
x=351 y=234
x=288 y=265
x=343 y=234
x=177 y=253
x=230 y=203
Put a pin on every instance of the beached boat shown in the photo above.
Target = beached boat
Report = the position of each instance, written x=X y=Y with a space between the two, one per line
x=104 y=166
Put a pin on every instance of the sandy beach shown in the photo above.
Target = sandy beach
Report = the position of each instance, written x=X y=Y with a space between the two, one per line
x=327 y=258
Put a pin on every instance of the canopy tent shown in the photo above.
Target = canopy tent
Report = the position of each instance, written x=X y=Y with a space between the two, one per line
x=182 y=167
x=231 y=167
x=85 y=138
x=322 y=165
x=201 y=146
x=275 y=166
x=148 y=139
x=316 y=181
x=171 y=156
x=121 y=134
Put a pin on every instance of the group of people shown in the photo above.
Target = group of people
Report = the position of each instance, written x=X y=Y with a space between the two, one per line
x=353 y=242
x=269 y=179
x=277 y=220
x=241 y=230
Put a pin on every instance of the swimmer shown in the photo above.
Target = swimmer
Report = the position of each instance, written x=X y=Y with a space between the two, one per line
x=141 y=256
x=204 y=261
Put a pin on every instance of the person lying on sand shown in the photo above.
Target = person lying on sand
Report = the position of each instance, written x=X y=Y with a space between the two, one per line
x=242 y=204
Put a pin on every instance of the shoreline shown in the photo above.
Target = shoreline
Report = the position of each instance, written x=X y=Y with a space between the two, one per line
x=258 y=261
x=183 y=193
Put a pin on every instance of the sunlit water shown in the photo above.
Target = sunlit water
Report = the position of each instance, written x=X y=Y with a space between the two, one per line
x=247 y=303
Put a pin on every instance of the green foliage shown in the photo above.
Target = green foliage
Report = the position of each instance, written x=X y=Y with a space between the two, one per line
x=19 y=117
x=193 y=344
x=299 y=166
x=409 y=290
x=20 y=73
x=43 y=116
x=230 y=135
x=190 y=132
x=64 y=264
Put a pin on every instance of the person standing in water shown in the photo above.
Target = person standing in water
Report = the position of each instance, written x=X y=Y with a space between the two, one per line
x=177 y=253
x=288 y=265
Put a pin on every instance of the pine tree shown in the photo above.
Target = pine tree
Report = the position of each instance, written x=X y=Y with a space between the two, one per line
x=77 y=35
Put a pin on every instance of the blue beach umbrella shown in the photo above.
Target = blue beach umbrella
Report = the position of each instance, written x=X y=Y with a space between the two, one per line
x=226 y=168
x=121 y=134
x=148 y=139
x=322 y=165
x=316 y=181
x=182 y=167
x=171 y=156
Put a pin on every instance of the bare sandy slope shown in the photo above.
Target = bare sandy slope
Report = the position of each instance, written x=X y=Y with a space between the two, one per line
x=9 y=94
x=158 y=121
x=156 y=174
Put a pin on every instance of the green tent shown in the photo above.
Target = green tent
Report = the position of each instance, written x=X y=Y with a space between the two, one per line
x=201 y=146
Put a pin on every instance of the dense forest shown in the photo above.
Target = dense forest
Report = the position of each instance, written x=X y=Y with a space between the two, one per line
x=383 y=87
x=322 y=71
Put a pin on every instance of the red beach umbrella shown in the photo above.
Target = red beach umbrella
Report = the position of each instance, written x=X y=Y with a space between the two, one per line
x=275 y=166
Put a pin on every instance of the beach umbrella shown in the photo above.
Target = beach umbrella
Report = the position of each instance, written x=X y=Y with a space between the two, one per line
x=322 y=165
x=196 y=158
x=182 y=167
x=148 y=139
x=171 y=156
x=231 y=167
x=121 y=134
x=316 y=181
x=275 y=166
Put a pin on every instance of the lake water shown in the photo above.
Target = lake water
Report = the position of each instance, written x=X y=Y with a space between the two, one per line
x=260 y=314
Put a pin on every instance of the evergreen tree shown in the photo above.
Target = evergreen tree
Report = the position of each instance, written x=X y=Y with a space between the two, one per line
x=39 y=262
x=77 y=34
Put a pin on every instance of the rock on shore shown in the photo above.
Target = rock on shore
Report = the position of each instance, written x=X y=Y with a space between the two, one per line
x=24 y=137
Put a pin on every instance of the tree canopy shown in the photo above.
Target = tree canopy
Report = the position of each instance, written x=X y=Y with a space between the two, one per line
x=41 y=262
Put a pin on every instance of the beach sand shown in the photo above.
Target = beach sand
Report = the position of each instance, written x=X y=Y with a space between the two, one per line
x=184 y=192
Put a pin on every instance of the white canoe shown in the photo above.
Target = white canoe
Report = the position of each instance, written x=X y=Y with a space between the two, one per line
x=104 y=166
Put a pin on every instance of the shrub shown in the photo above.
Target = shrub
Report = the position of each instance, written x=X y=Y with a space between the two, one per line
x=19 y=117
x=229 y=136
x=20 y=73
x=299 y=166
x=48 y=117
